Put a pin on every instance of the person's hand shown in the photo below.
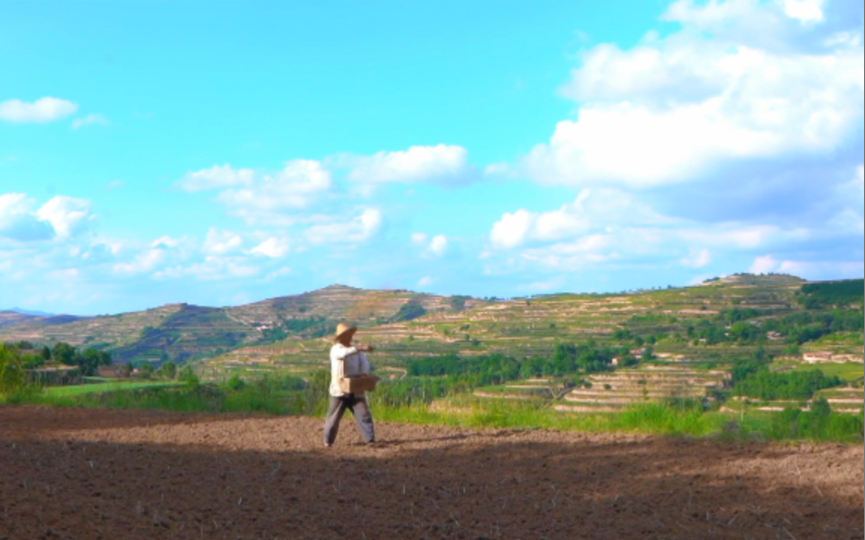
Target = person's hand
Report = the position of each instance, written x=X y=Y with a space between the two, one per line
x=365 y=348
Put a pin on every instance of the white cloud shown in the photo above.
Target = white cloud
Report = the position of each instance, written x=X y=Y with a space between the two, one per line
x=263 y=198
x=848 y=39
x=42 y=110
x=218 y=176
x=605 y=226
x=808 y=269
x=144 y=262
x=593 y=208
x=19 y=222
x=65 y=275
x=671 y=110
x=89 y=120
x=441 y=164
x=278 y=273
x=543 y=286
x=500 y=170
x=211 y=269
x=849 y=196
x=806 y=11
x=219 y=242
x=512 y=229
x=764 y=265
x=359 y=229
x=295 y=187
x=855 y=188
x=167 y=241
x=698 y=259
x=425 y=281
x=584 y=251
x=419 y=238
x=61 y=217
x=67 y=215
x=733 y=235
x=745 y=20
x=438 y=245
x=435 y=246
x=115 y=184
x=273 y=247
x=817 y=270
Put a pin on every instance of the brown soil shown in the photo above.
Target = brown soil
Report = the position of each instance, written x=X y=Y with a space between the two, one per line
x=112 y=474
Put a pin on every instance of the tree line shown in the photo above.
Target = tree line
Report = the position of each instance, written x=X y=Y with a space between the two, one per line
x=87 y=360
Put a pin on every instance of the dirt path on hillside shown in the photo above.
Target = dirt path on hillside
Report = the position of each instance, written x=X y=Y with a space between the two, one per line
x=111 y=474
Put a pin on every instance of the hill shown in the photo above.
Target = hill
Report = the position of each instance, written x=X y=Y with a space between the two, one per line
x=31 y=312
x=180 y=332
x=10 y=317
x=714 y=321
x=534 y=326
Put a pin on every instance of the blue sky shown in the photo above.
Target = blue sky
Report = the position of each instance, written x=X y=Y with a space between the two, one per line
x=225 y=152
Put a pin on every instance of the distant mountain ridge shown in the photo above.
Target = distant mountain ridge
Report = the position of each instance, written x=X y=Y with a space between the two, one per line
x=31 y=312
x=407 y=322
x=183 y=331
x=16 y=315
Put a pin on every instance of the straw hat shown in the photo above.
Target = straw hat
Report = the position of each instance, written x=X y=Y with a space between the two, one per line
x=343 y=328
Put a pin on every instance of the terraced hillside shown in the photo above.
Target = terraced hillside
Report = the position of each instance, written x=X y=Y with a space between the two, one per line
x=689 y=339
x=181 y=332
x=691 y=326
x=621 y=388
x=8 y=318
x=671 y=320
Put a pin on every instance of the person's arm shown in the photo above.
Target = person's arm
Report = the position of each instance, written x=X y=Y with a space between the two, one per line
x=341 y=352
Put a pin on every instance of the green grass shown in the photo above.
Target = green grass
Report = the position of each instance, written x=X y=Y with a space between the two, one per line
x=849 y=371
x=838 y=342
x=651 y=418
x=541 y=393
x=681 y=418
x=82 y=389
x=178 y=397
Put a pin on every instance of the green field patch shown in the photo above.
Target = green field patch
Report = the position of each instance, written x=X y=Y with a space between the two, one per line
x=842 y=393
x=83 y=389
x=540 y=392
x=848 y=371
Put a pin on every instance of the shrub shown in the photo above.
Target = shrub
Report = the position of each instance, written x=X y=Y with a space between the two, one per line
x=767 y=385
x=820 y=424
x=235 y=383
x=13 y=375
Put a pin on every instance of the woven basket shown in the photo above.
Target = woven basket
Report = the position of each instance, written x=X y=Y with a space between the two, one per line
x=358 y=383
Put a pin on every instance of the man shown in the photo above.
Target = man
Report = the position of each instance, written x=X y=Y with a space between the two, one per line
x=347 y=360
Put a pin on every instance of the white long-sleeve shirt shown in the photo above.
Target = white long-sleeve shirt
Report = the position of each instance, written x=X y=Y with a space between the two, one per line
x=345 y=362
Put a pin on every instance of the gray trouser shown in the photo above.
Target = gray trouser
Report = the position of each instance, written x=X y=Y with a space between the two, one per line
x=359 y=408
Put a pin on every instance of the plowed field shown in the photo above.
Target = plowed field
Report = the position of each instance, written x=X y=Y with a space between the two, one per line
x=112 y=474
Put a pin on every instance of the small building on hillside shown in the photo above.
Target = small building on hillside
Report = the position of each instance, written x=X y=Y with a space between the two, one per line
x=56 y=375
x=111 y=371
x=817 y=357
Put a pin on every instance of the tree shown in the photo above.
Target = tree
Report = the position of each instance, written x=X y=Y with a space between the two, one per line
x=188 y=376
x=64 y=353
x=13 y=375
x=648 y=353
x=146 y=369
x=235 y=383
x=168 y=370
x=90 y=360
